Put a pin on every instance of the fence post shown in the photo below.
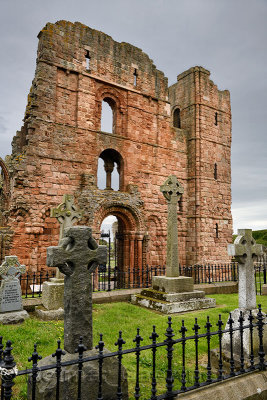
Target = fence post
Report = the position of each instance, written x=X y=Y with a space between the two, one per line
x=260 y=325
x=8 y=371
x=169 y=342
x=120 y=342
x=100 y=348
x=34 y=358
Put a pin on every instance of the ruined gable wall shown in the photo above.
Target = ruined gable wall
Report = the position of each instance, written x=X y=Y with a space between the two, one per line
x=61 y=140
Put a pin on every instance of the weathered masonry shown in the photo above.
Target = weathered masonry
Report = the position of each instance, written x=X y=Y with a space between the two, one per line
x=184 y=130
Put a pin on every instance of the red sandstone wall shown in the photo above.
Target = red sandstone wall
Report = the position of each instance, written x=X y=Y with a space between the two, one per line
x=61 y=141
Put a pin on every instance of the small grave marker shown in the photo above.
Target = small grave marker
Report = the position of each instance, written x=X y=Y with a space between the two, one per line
x=10 y=291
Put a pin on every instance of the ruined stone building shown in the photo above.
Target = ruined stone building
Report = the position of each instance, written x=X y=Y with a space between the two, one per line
x=157 y=131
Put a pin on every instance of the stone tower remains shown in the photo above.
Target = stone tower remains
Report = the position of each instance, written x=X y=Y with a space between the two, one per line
x=183 y=130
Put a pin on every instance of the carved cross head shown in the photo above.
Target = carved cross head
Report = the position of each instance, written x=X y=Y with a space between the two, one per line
x=172 y=189
x=66 y=213
x=245 y=248
x=11 y=268
x=76 y=250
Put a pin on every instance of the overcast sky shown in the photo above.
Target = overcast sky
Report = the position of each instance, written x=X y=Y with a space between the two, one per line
x=228 y=37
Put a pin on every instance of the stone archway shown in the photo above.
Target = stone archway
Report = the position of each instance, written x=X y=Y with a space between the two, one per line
x=130 y=238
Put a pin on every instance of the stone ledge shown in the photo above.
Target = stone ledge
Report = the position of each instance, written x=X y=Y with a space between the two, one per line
x=249 y=386
x=175 y=307
x=218 y=287
x=172 y=297
x=13 y=317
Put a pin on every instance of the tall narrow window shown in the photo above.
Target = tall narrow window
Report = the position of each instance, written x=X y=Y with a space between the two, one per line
x=180 y=204
x=176 y=118
x=216 y=119
x=107 y=115
x=135 y=77
x=87 y=59
x=215 y=171
x=217 y=231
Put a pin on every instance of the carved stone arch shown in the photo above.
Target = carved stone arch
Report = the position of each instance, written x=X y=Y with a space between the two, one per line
x=155 y=220
x=114 y=154
x=116 y=100
x=130 y=215
x=130 y=239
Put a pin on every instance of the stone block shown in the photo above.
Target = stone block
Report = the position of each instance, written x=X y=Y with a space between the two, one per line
x=180 y=284
x=53 y=294
x=264 y=290
x=50 y=315
x=175 y=307
x=14 y=317
x=47 y=380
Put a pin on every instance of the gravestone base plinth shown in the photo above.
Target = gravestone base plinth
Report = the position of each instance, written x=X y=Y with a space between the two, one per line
x=47 y=380
x=172 y=295
x=53 y=294
x=13 y=317
x=52 y=300
x=246 y=335
x=49 y=315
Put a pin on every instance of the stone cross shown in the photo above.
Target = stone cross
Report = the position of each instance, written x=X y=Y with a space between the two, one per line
x=245 y=250
x=172 y=191
x=77 y=256
x=67 y=214
x=10 y=291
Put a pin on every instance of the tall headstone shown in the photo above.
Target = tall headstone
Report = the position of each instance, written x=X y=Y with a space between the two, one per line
x=11 y=309
x=172 y=293
x=245 y=250
x=77 y=256
x=172 y=190
x=67 y=213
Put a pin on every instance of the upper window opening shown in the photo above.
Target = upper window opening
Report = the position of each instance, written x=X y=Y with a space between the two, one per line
x=217 y=231
x=87 y=59
x=135 y=77
x=176 y=118
x=216 y=119
x=107 y=115
x=215 y=171
x=109 y=173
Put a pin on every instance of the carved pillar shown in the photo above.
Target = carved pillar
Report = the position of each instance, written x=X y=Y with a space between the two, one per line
x=109 y=166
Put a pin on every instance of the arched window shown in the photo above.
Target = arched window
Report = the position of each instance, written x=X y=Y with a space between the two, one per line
x=110 y=170
x=216 y=119
x=108 y=115
x=216 y=231
x=215 y=171
x=176 y=118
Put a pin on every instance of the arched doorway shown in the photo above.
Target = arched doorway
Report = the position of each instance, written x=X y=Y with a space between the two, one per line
x=120 y=228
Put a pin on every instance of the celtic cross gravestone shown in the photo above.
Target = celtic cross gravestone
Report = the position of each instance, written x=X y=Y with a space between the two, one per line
x=172 y=191
x=67 y=213
x=77 y=256
x=246 y=251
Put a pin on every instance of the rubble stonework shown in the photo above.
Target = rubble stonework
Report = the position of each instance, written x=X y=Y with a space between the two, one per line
x=57 y=150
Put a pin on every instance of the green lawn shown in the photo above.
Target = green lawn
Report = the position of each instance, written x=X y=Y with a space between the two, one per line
x=108 y=320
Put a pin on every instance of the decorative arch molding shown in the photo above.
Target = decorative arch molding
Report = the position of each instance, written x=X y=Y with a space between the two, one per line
x=130 y=215
x=117 y=103
x=154 y=219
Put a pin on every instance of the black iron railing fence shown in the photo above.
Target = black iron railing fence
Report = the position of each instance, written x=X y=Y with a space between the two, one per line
x=236 y=365
x=106 y=278
x=32 y=283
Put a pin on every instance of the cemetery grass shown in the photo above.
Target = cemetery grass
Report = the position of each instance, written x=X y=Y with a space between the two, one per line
x=109 y=319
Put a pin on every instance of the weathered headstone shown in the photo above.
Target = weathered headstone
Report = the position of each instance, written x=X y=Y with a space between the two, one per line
x=245 y=250
x=67 y=213
x=77 y=255
x=11 y=309
x=172 y=293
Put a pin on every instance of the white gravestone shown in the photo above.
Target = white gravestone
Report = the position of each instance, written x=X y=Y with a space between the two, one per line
x=245 y=250
x=11 y=308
